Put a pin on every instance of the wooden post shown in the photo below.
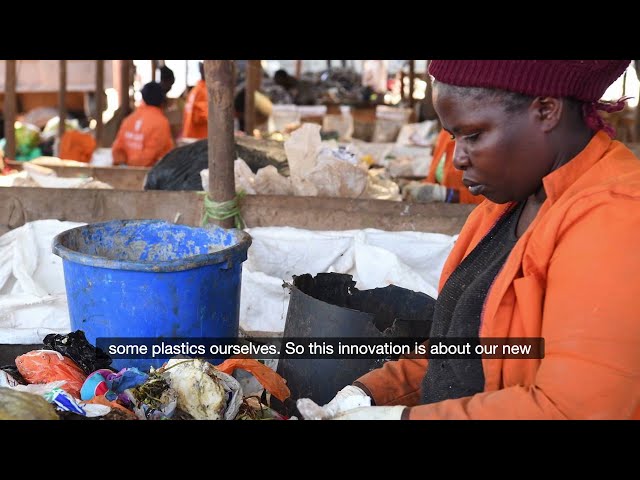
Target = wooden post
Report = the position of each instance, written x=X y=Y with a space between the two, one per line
x=62 y=98
x=99 y=100
x=402 y=75
x=412 y=79
x=298 y=68
x=220 y=78
x=124 y=87
x=10 y=109
x=154 y=67
x=254 y=72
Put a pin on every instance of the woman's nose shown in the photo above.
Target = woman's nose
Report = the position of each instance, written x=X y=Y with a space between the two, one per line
x=460 y=158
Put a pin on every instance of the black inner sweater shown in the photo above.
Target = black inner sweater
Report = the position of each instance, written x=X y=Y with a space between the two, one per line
x=459 y=308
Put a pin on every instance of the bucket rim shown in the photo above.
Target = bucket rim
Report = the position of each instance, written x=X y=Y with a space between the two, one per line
x=231 y=254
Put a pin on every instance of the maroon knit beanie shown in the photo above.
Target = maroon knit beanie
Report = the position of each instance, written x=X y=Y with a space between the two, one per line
x=585 y=80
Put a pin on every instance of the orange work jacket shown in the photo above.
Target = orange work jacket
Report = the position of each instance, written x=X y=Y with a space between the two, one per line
x=77 y=146
x=573 y=279
x=196 y=112
x=452 y=177
x=144 y=137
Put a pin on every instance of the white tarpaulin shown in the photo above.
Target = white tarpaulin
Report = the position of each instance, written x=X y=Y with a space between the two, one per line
x=33 y=301
x=375 y=258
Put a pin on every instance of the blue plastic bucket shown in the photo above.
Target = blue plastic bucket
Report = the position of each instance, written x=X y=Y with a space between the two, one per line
x=151 y=278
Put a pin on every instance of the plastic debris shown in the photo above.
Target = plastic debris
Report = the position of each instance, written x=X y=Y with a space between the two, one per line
x=204 y=392
x=44 y=366
x=110 y=384
x=76 y=346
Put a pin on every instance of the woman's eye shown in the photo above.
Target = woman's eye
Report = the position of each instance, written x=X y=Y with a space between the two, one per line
x=472 y=138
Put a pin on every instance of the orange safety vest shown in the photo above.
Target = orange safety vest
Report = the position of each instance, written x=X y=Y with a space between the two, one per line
x=572 y=279
x=196 y=112
x=77 y=146
x=144 y=137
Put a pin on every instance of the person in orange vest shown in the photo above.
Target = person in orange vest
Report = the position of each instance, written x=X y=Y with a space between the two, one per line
x=196 y=110
x=444 y=181
x=144 y=136
x=77 y=146
x=548 y=263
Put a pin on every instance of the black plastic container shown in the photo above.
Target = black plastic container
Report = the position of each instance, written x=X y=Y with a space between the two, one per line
x=329 y=305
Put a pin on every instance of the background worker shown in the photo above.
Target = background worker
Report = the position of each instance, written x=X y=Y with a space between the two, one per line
x=144 y=136
x=196 y=110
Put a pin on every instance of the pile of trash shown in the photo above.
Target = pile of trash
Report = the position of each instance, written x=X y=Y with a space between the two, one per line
x=70 y=378
x=317 y=168
x=34 y=175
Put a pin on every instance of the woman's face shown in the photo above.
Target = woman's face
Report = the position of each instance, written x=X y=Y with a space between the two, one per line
x=501 y=153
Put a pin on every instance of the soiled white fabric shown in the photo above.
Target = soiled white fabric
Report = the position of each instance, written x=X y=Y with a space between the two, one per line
x=32 y=294
x=375 y=258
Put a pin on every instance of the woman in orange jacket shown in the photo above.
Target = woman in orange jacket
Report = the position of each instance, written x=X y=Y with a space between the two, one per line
x=196 y=110
x=551 y=254
x=144 y=136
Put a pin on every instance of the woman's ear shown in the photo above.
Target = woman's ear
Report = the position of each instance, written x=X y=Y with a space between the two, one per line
x=548 y=111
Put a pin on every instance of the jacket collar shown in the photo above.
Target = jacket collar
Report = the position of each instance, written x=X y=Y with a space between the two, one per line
x=558 y=181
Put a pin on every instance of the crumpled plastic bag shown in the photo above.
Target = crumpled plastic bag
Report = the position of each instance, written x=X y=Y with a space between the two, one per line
x=334 y=176
x=44 y=366
x=76 y=346
x=380 y=187
x=204 y=392
x=268 y=378
x=269 y=182
x=301 y=149
x=245 y=178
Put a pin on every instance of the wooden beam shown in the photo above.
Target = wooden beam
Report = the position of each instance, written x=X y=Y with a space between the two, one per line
x=124 y=86
x=220 y=79
x=298 y=68
x=19 y=205
x=99 y=100
x=62 y=98
x=254 y=72
x=10 y=109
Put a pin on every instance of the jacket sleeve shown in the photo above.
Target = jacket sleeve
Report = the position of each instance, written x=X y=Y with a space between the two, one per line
x=591 y=368
x=397 y=382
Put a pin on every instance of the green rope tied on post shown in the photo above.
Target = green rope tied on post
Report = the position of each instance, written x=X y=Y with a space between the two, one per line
x=223 y=210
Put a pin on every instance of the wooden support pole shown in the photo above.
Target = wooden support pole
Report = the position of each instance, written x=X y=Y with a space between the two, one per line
x=154 y=67
x=99 y=96
x=298 y=68
x=254 y=72
x=220 y=78
x=124 y=87
x=62 y=98
x=412 y=79
x=10 y=109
